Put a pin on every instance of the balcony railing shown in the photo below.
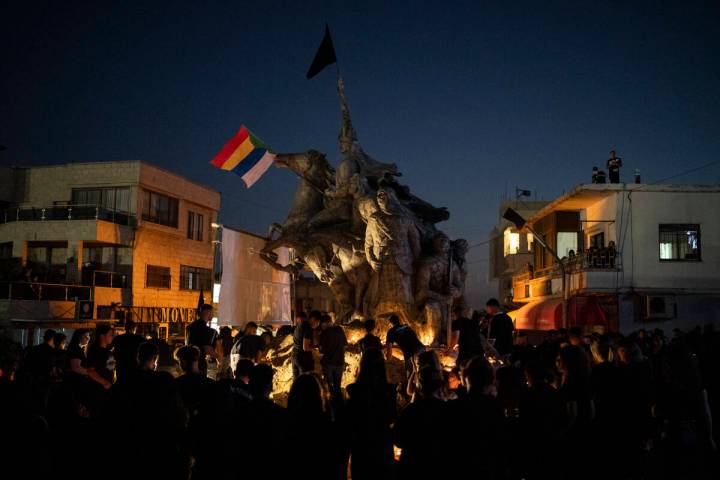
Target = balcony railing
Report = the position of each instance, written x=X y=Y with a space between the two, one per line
x=66 y=212
x=43 y=291
x=101 y=278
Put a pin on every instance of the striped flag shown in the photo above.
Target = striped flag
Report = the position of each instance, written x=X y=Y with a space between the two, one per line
x=245 y=155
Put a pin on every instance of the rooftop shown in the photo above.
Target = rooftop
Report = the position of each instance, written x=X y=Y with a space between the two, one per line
x=583 y=195
x=116 y=162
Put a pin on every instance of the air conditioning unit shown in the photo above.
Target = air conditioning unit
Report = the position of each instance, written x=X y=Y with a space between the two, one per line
x=660 y=307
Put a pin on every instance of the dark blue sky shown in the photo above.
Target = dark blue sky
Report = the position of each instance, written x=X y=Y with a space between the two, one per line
x=465 y=97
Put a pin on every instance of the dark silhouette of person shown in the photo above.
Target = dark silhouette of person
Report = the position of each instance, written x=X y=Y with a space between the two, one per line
x=125 y=349
x=371 y=409
x=317 y=441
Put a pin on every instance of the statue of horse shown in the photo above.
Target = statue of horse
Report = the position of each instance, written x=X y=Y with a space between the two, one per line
x=316 y=175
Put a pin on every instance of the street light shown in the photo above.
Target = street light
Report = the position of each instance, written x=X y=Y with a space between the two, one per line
x=516 y=219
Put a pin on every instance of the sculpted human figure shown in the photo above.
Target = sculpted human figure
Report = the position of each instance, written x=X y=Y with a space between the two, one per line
x=392 y=243
x=437 y=285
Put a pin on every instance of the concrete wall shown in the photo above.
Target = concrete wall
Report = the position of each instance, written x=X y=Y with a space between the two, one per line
x=640 y=245
x=54 y=183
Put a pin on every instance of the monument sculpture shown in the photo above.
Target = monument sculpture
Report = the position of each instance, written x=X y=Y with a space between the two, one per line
x=368 y=238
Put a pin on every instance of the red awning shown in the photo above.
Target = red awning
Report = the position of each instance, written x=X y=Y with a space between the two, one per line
x=585 y=311
x=540 y=315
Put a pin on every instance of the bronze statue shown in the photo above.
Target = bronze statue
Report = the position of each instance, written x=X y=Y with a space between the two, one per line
x=362 y=233
x=392 y=243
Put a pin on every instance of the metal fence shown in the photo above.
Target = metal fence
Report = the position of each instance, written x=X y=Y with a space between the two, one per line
x=66 y=212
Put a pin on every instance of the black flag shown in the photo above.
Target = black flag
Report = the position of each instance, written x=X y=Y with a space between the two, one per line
x=325 y=55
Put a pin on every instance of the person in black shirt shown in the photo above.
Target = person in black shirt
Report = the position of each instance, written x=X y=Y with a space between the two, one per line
x=250 y=346
x=125 y=348
x=39 y=359
x=192 y=384
x=613 y=165
x=369 y=340
x=100 y=359
x=406 y=338
x=302 y=359
x=466 y=335
x=332 y=346
x=101 y=369
x=203 y=337
x=501 y=327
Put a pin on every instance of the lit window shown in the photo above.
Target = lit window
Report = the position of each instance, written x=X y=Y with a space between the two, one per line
x=680 y=242
x=530 y=240
x=511 y=242
x=566 y=241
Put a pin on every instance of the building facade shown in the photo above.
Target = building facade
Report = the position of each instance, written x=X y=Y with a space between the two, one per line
x=632 y=256
x=510 y=249
x=105 y=241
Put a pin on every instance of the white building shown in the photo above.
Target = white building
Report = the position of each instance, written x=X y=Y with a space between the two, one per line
x=635 y=256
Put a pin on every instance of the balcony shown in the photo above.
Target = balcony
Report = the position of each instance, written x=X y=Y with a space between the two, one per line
x=67 y=212
x=44 y=291
x=594 y=272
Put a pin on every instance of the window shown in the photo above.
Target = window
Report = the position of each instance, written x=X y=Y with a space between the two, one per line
x=680 y=242
x=161 y=209
x=191 y=225
x=6 y=250
x=200 y=220
x=158 y=277
x=112 y=198
x=195 y=278
x=598 y=240
x=511 y=242
x=566 y=241
x=530 y=240
x=195 y=226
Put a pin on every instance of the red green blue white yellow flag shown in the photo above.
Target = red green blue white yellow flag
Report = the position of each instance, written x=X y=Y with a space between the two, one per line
x=246 y=155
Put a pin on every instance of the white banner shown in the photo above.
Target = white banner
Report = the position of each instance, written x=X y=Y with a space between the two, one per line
x=251 y=290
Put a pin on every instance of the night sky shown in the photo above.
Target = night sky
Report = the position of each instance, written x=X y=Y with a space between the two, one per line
x=468 y=98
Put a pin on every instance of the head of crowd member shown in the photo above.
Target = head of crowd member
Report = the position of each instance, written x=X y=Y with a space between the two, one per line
x=537 y=373
x=453 y=379
x=657 y=343
x=60 y=341
x=478 y=376
x=188 y=357
x=492 y=306
x=575 y=336
x=601 y=349
x=49 y=337
x=206 y=311
x=552 y=335
x=130 y=327
x=104 y=335
x=225 y=332
x=325 y=322
x=80 y=338
x=300 y=317
x=148 y=355
x=372 y=368
x=572 y=363
x=242 y=370
x=629 y=351
x=309 y=397
x=369 y=325
x=251 y=329
x=457 y=312
x=430 y=359
x=315 y=318
x=261 y=380
x=430 y=381
x=394 y=320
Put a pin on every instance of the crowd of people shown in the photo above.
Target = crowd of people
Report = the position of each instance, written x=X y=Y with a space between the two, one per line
x=576 y=405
